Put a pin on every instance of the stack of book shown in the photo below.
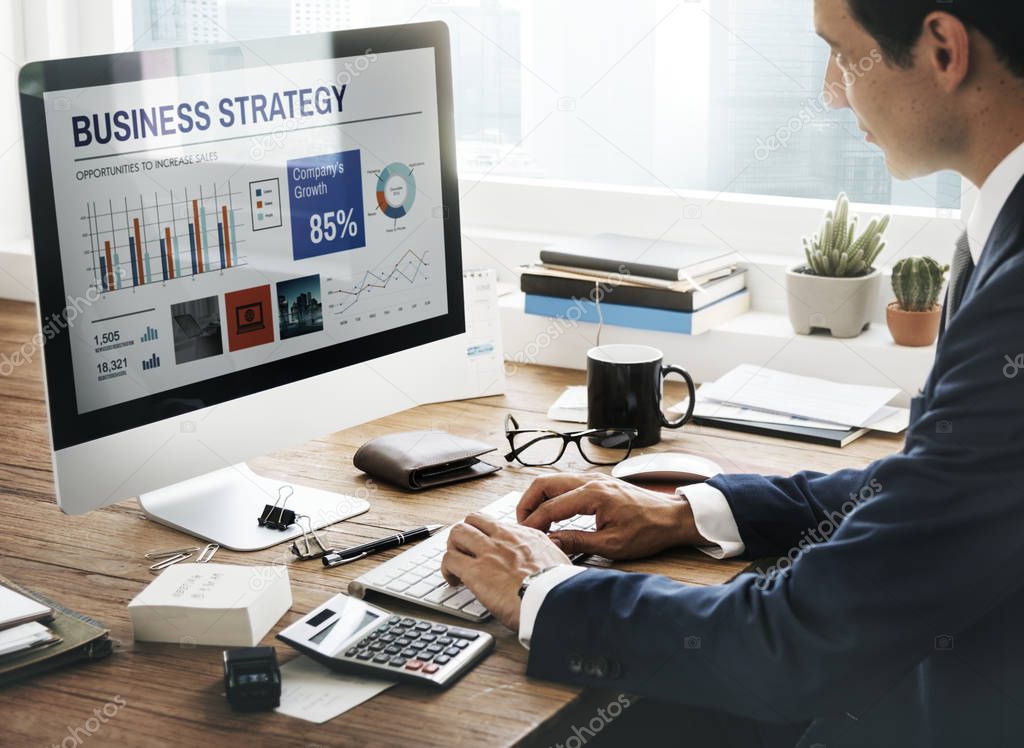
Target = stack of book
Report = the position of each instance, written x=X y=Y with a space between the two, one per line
x=632 y=282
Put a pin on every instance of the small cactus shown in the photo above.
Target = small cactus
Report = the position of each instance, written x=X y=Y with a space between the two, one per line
x=837 y=251
x=917 y=283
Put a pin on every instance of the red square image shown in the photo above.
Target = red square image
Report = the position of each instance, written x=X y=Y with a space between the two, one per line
x=259 y=203
x=250 y=318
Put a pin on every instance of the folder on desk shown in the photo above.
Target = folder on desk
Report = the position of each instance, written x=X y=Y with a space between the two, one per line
x=81 y=639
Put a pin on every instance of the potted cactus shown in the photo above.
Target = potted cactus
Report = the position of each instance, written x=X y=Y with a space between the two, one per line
x=837 y=288
x=914 y=317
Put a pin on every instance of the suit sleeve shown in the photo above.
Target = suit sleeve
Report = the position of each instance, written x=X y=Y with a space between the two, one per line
x=936 y=547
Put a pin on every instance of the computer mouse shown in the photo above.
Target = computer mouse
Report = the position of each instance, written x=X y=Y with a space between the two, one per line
x=666 y=467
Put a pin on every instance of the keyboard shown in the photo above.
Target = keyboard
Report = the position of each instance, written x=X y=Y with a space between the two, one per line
x=415 y=575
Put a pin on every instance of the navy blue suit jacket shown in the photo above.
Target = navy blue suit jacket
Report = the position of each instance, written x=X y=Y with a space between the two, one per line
x=903 y=625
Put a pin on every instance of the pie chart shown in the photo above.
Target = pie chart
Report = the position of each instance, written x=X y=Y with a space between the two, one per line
x=396 y=190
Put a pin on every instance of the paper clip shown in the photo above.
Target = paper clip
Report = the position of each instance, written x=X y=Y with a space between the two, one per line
x=306 y=551
x=170 y=561
x=153 y=555
x=207 y=553
x=284 y=517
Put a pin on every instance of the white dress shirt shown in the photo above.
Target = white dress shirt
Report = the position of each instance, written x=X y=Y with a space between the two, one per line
x=711 y=512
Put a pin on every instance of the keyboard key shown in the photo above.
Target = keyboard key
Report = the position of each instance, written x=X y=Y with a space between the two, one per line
x=457 y=601
x=430 y=668
x=475 y=608
x=442 y=593
x=413 y=665
x=420 y=589
x=399 y=586
x=467 y=634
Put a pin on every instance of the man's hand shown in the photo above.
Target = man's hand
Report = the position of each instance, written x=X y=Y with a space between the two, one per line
x=493 y=559
x=632 y=522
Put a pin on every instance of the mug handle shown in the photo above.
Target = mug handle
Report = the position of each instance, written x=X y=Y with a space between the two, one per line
x=665 y=371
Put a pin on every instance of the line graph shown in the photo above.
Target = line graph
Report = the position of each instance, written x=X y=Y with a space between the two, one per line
x=410 y=267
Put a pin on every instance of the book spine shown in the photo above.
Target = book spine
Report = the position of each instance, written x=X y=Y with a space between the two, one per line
x=573 y=288
x=553 y=257
x=638 y=318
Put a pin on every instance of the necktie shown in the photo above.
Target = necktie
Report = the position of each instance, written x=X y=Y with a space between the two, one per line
x=959 y=276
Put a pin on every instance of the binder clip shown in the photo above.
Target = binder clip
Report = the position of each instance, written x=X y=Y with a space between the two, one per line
x=307 y=551
x=275 y=516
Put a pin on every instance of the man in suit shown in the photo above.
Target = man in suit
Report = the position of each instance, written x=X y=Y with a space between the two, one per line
x=895 y=613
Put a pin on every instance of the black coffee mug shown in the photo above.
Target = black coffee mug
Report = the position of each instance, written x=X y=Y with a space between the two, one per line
x=624 y=390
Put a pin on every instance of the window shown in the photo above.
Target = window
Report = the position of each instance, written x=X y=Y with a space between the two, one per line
x=714 y=95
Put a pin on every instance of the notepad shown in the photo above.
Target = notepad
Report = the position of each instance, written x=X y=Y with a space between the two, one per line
x=819 y=400
x=16 y=609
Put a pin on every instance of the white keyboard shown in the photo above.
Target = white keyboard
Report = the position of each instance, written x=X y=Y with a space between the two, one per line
x=415 y=574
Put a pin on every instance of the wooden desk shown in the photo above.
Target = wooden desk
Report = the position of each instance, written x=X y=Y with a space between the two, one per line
x=93 y=563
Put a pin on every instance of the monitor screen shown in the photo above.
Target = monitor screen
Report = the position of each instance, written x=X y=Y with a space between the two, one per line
x=252 y=216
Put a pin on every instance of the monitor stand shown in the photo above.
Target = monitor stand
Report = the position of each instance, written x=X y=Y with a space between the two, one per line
x=223 y=507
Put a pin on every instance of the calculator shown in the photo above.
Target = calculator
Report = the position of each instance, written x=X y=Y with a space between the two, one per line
x=351 y=636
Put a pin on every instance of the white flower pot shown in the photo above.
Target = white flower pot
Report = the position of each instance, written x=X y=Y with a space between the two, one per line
x=843 y=306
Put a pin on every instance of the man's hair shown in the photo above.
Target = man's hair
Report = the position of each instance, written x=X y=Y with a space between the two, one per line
x=897 y=26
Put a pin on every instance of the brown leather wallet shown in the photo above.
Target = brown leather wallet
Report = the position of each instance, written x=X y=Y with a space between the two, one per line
x=423 y=459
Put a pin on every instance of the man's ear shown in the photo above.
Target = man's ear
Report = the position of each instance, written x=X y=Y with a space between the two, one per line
x=945 y=46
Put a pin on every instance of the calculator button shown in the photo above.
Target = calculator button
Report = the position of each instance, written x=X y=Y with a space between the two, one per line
x=463 y=633
x=394 y=619
x=452 y=651
x=462 y=644
x=393 y=649
x=434 y=648
x=387 y=638
x=352 y=652
x=408 y=622
x=381 y=659
x=430 y=668
x=408 y=653
x=396 y=662
x=364 y=655
x=442 y=659
x=438 y=628
x=423 y=626
x=427 y=638
x=445 y=640
x=413 y=665
x=403 y=642
x=376 y=646
x=417 y=645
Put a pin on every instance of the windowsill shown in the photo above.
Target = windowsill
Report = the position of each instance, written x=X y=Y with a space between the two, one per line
x=757 y=337
x=17 y=271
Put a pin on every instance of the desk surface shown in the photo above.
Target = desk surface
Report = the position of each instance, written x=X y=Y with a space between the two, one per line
x=94 y=564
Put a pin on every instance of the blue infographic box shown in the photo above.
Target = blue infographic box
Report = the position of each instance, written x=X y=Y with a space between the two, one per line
x=326 y=198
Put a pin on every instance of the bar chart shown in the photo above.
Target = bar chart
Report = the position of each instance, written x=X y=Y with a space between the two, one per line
x=145 y=239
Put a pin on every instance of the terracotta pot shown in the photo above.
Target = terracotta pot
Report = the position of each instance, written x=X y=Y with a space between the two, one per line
x=914 y=329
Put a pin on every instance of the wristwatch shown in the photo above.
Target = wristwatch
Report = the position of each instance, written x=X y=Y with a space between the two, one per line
x=530 y=577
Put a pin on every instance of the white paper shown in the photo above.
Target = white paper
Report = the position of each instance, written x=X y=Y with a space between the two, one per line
x=18 y=607
x=23 y=636
x=315 y=693
x=571 y=406
x=816 y=399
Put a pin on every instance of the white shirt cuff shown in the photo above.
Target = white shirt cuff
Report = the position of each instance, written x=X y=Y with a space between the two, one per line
x=538 y=589
x=714 y=520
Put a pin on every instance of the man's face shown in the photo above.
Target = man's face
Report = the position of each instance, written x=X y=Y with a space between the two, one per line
x=896 y=107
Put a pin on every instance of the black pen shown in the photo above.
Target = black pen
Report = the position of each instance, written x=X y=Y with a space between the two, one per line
x=348 y=555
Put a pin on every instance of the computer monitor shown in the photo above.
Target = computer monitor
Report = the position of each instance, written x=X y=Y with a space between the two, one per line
x=239 y=247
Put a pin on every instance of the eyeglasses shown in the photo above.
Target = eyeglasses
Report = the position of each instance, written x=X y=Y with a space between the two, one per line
x=542 y=447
